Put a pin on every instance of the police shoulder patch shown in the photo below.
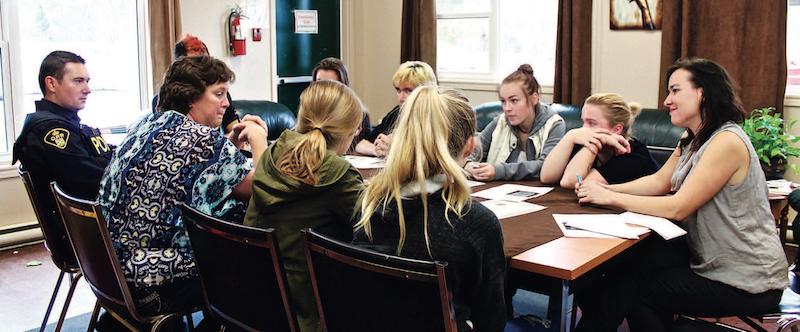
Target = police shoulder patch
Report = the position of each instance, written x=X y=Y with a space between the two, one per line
x=57 y=137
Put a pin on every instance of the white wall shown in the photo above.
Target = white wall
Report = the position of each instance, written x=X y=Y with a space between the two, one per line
x=371 y=38
x=208 y=19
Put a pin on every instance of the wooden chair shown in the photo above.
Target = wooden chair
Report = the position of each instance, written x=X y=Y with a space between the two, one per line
x=88 y=234
x=362 y=290
x=244 y=284
x=56 y=242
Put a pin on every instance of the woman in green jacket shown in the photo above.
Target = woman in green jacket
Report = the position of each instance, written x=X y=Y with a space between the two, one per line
x=302 y=181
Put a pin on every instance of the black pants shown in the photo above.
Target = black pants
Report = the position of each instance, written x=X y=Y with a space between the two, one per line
x=176 y=296
x=676 y=289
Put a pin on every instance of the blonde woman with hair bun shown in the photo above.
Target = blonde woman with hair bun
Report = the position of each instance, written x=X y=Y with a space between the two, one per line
x=409 y=76
x=420 y=206
x=603 y=149
x=302 y=181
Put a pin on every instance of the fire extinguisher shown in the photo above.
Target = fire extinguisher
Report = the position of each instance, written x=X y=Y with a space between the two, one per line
x=235 y=36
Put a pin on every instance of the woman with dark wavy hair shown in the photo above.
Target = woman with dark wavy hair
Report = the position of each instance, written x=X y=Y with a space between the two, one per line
x=731 y=261
x=176 y=155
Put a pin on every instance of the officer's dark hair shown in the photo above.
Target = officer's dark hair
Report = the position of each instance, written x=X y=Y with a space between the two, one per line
x=187 y=79
x=54 y=64
x=333 y=64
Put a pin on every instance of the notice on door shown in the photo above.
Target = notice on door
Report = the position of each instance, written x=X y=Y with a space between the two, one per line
x=305 y=21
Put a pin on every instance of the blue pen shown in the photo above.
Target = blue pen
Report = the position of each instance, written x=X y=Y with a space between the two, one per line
x=580 y=178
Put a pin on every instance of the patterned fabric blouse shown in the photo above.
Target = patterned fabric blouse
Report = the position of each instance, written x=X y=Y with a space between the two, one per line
x=165 y=159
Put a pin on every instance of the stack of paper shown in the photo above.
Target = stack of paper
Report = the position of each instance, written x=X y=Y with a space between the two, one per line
x=627 y=225
x=363 y=162
x=779 y=187
x=512 y=192
x=507 y=209
x=667 y=229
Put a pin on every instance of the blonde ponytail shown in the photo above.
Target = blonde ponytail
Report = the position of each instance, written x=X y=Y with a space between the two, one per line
x=432 y=131
x=329 y=113
x=616 y=110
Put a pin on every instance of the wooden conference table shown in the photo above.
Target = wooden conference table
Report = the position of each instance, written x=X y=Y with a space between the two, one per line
x=544 y=261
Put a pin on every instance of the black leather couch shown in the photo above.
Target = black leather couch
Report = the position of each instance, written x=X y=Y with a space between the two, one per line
x=277 y=116
x=652 y=127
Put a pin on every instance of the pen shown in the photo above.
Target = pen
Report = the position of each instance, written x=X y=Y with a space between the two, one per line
x=580 y=178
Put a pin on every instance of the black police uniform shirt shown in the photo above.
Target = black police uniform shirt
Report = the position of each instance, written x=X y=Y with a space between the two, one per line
x=55 y=146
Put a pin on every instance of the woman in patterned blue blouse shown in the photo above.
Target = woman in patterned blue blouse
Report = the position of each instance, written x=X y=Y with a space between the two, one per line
x=171 y=156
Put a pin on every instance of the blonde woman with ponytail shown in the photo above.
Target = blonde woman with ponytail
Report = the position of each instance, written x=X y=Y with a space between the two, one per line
x=420 y=206
x=603 y=149
x=302 y=181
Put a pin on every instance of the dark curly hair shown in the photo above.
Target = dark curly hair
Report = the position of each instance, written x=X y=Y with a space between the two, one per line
x=187 y=79
x=720 y=102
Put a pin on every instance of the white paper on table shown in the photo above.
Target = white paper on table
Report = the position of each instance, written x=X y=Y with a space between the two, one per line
x=570 y=231
x=364 y=162
x=473 y=183
x=667 y=229
x=508 y=209
x=609 y=224
x=512 y=192
x=779 y=187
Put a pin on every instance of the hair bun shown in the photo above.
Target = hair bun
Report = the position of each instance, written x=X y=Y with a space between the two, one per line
x=526 y=68
x=636 y=109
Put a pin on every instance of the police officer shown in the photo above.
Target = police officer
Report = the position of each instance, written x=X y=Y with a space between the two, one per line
x=53 y=144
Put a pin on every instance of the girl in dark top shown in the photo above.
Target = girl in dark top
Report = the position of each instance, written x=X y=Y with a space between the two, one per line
x=603 y=149
x=408 y=77
x=334 y=69
x=420 y=207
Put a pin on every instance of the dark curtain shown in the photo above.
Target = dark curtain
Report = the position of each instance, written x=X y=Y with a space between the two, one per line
x=165 y=31
x=573 y=81
x=747 y=37
x=418 y=36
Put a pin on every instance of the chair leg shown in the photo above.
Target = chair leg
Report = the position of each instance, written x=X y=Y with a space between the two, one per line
x=73 y=281
x=95 y=313
x=52 y=301
x=160 y=323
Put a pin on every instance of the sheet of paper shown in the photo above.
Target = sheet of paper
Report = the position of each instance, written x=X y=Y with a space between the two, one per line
x=667 y=229
x=609 y=224
x=508 y=209
x=570 y=231
x=512 y=192
x=779 y=187
x=473 y=183
x=364 y=162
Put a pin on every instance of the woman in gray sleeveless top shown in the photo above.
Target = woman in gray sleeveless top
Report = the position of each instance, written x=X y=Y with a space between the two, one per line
x=714 y=187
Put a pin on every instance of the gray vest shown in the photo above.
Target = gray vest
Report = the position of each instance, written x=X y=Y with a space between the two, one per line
x=732 y=237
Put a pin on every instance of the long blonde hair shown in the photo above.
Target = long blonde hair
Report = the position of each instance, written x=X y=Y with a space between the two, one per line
x=616 y=110
x=329 y=113
x=432 y=131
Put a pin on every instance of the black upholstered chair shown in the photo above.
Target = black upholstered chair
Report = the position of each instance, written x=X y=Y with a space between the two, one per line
x=56 y=242
x=277 y=116
x=244 y=284
x=362 y=290
x=87 y=232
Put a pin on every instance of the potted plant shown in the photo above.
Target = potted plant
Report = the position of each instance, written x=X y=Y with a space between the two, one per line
x=772 y=142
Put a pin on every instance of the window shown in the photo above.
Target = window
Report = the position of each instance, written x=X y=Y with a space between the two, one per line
x=793 y=48
x=488 y=39
x=108 y=34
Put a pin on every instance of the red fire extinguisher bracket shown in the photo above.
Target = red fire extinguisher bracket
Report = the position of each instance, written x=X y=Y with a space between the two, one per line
x=238 y=45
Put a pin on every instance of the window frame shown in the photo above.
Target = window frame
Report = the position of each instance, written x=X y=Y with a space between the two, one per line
x=484 y=81
x=12 y=72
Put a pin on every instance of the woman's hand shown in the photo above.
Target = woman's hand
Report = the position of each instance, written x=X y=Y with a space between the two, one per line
x=480 y=171
x=249 y=129
x=593 y=192
x=382 y=145
x=595 y=139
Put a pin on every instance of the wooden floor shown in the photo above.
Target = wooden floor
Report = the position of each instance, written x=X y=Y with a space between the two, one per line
x=25 y=291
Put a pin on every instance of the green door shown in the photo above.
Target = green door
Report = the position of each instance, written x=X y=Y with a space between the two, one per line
x=306 y=31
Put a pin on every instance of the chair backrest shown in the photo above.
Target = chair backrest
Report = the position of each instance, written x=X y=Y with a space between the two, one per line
x=241 y=272
x=55 y=237
x=363 y=290
x=277 y=116
x=88 y=234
